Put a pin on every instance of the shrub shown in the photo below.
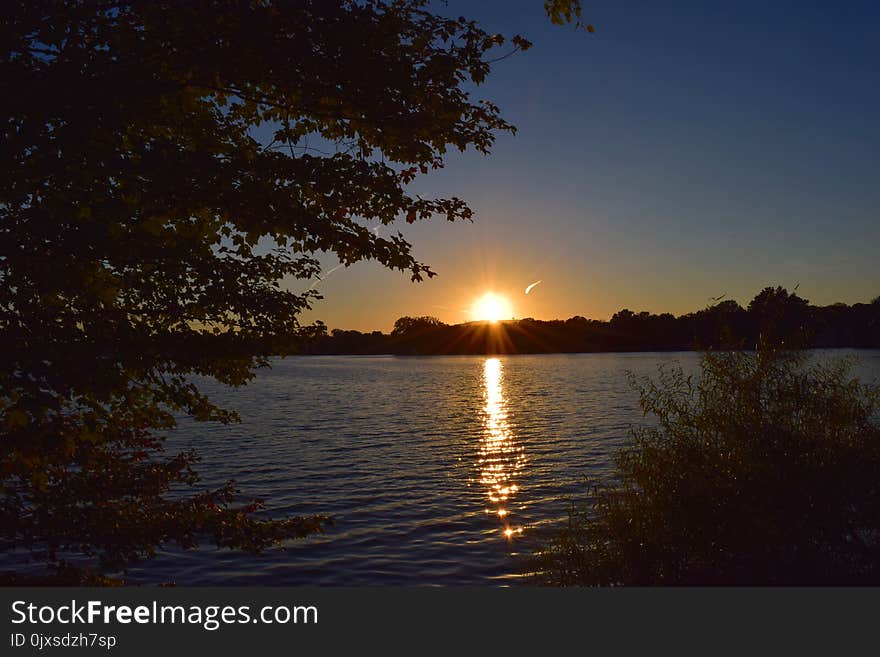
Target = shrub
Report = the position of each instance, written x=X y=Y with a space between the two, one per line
x=764 y=470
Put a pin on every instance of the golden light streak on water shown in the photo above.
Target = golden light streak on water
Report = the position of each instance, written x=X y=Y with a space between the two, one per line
x=501 y=459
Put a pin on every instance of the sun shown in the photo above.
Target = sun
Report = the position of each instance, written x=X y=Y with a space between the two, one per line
x=491 y=307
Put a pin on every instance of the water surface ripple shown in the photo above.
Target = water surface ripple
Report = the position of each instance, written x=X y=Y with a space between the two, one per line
x=437 y=470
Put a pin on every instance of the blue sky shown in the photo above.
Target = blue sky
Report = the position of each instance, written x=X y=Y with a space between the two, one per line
x=683 y=151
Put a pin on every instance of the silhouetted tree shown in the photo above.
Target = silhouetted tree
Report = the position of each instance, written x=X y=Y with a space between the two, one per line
x=144 y=231
x=780 y=316
x=723 y=325
x=406 y=325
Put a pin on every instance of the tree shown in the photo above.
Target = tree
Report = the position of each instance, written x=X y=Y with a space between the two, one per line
x=780 y=316
x=405 y=325
x=145 y=232
x=723 y=325
x=762 y=472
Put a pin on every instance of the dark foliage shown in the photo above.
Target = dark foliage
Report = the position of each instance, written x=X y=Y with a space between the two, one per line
x=764 y=471
x=145 y=233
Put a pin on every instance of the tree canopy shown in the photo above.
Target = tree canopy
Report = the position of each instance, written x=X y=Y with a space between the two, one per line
x=405 y=325
x=166 y=166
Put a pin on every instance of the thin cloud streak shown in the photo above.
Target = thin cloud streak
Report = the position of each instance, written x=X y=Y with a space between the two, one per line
x=325 y=276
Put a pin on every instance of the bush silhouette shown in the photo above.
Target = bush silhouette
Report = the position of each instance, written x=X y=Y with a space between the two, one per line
x=763 y=471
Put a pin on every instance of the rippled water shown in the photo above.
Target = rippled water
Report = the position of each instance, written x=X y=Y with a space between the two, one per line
x=437 y=470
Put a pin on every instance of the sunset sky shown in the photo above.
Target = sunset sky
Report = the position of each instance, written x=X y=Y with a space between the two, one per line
x=684 y=151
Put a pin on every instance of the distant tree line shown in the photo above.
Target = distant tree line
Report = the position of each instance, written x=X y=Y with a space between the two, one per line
x=775 y=314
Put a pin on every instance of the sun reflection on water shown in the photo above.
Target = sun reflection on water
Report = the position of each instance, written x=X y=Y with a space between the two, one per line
x=501 y=459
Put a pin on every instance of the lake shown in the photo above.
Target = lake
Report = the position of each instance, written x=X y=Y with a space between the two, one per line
x=436 y=470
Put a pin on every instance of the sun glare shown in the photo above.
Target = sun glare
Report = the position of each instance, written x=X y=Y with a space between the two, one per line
x=491 y=307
